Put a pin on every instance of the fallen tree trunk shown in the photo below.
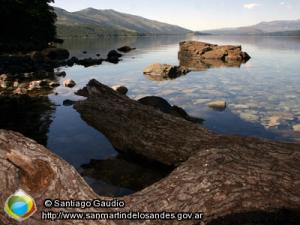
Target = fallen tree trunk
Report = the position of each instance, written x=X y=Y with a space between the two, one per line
x=232 y=185
x=144 y=131
x=232 y=180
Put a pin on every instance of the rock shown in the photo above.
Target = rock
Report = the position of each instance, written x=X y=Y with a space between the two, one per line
x=156 y=102
x=44 y=83
x=82 y=92
x=202 y=50
x=36 y=84
x=72 y=61
x=89 y=62
x=53 y=84
x=98 y=55
x=165 y=71
x=3 y=77
x=163 y=106
x=69 y=83
x=179 y=112
x=84 y=52
x=125 y=49
x=4 y=84
x=296 y=128
x=114 y=53
x=68 y=102
x=217 y=105
x=113 y=56
x=273 y=121
x=55 y=53
x=61 y=74
x=249 y=116
x=120 y=89
x=20 y=91
x=4 y=81
x=16 y=84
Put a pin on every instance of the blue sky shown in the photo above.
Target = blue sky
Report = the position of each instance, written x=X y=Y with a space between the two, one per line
x=197 y=14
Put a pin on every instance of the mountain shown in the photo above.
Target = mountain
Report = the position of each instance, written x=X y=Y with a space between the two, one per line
x=273 y=28
x=92 y=22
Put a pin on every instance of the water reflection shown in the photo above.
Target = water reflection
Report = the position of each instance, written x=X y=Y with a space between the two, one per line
x=123 y=174
x=102 y=46
x=30 y=116
x=204 y=64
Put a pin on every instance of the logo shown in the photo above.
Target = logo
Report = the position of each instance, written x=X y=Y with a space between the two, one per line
x=20 y=206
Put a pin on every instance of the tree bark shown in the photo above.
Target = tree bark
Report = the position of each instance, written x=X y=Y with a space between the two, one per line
x=232 y=180
x=144 y=131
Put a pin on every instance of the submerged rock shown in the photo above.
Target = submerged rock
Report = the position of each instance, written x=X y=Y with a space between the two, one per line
x=273 y=121
x=249 y=116
x=53 y=84
x=165 y=71
x=69 y=83
x=68 y=102
x=61 y=74
x=217 y=105
x=296 y=128
x=120 y=89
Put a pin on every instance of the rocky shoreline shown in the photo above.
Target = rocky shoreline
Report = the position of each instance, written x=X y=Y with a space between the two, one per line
x=33 y=73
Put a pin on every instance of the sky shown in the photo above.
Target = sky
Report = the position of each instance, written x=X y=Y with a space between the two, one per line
x=197 y=14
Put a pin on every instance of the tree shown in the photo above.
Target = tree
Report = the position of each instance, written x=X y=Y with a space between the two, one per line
x=26 y=24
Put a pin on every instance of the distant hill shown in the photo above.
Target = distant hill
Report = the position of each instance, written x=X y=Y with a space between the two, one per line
x=92 y=22
x=273 y=28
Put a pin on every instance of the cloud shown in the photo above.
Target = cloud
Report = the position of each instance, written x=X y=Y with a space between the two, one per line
x=285 y=5
x=250 y=5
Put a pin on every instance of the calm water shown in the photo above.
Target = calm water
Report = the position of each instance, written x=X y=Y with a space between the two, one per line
x=265 y=89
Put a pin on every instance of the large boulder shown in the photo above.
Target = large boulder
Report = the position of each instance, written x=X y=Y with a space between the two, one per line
x=202 y=50
x=164 y=106
x=165 y=71
x=157 y=102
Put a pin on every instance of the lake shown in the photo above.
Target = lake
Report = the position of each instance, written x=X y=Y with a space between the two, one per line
x=262 y=95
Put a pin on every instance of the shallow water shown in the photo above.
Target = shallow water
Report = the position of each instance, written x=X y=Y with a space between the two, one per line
x=264 y=88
